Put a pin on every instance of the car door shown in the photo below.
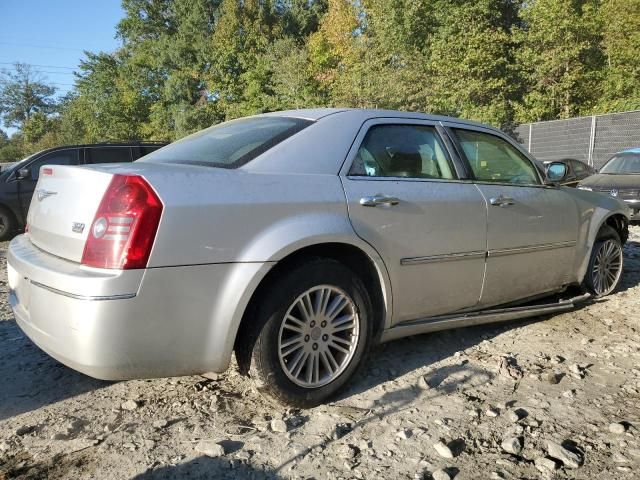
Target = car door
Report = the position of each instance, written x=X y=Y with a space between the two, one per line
x=27 y=184
x=532 y=228
x=404 y=198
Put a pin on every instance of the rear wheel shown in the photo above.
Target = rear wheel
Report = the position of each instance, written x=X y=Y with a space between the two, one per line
x=605 y=265
x=316 y=327
x=7 y=224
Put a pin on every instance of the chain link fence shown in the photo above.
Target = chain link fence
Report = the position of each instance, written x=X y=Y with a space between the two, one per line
x=591 y=139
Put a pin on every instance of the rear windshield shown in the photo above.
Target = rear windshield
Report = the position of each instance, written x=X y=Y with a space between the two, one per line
x=623 y=163
x=230 y=144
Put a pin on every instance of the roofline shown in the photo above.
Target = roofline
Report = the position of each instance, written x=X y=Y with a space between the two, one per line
x=101 y=144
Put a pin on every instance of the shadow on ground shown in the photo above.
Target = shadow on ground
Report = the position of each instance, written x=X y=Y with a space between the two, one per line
x=207 y=468
x=30 y=378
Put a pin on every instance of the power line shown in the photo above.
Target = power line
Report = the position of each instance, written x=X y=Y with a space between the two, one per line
x=54 y=73
x=41 y=46
x=37 y=65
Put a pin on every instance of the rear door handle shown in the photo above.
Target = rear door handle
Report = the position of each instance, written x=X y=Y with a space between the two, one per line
x=501 y=201
x=378 y=199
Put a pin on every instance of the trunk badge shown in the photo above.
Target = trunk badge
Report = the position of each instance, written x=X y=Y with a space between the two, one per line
x=77 y=227
x=42 y=194
x=614 y=192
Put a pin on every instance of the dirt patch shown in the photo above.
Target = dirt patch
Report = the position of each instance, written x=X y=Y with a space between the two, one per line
x=556 y=397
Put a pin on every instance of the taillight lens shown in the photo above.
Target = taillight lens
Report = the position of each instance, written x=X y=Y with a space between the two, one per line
x=125 y=225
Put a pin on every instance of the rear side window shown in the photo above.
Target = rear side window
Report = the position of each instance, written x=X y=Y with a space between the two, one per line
x=412 y=151
x=61 y=157
x=230 y=144
x=108 y=154
x=493 y=159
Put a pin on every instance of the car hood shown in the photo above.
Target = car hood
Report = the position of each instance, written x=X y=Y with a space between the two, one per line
x=602 y=180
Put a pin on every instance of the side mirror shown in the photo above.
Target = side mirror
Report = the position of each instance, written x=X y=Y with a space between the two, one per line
x=23 y=174
x=556 y=172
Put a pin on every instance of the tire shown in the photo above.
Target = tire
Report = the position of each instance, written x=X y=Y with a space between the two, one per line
x=287 y=338
x=605 y=265
x=7 y=224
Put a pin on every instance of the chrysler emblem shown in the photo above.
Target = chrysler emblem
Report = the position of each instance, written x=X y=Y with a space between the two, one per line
x=614 y=192
x=42 y=194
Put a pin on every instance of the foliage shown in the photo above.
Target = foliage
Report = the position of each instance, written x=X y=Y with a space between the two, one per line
x=22 y=94
x=187 y=64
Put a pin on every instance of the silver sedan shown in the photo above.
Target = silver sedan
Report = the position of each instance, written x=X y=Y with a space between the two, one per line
x=299 y=239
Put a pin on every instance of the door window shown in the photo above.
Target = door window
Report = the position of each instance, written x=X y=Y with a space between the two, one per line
x=62 y=157
x=108 y=154
x=578 y=167
x=493 y=159
x=413 y=151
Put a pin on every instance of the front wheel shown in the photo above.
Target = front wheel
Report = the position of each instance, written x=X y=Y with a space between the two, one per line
x=316 y=330
x=605 y=265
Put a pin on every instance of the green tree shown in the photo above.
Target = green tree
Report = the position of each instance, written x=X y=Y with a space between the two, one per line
x=560 y=58
x=10 y=148
x=470 y=69
x=22 y=93
x=621 y=42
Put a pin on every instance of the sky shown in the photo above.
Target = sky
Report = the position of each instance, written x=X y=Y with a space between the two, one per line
x=52 y=34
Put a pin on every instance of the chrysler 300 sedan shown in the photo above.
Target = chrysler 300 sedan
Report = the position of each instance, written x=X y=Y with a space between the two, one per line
x=297 y=240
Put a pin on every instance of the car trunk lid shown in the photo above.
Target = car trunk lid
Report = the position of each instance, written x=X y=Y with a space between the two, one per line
x=62 y=208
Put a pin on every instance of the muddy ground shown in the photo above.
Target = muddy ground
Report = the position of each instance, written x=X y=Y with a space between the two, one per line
x=555 y=397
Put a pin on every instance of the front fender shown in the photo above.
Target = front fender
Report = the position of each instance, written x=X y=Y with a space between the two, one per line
x=595 y=209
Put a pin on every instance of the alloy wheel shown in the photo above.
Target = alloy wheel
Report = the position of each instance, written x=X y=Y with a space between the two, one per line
x=607 y=267
x=318 y=336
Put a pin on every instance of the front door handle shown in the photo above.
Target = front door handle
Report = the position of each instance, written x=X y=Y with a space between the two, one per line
x=378 y=199
x=501 y=201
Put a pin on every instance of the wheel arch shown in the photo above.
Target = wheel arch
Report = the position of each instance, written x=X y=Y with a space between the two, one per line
x=619 y=223
x=362 y=260
x=616 y=220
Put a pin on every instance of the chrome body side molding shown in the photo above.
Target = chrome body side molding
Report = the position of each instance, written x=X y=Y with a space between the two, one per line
x=434 y=324
x=480 y=254
x=83 y=297
x=442 y=258
x=530 y=248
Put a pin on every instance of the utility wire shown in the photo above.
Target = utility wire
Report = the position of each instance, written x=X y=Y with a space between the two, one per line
x=36 y=65
x=41 y=46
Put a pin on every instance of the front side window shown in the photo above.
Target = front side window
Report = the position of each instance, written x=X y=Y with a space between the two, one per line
x=230 y=144
x=108 y=154
x=413 y=151
x=493 y=159
x=62 y=157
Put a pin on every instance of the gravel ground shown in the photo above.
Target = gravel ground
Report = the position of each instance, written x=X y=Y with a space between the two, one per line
x=556 y=397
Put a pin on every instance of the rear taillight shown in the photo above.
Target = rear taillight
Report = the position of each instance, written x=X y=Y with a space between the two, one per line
x=125 y=225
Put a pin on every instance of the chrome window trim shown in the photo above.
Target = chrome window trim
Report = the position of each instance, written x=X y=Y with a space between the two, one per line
x=83 y=297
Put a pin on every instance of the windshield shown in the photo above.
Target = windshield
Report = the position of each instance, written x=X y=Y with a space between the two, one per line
x=622 y=163
x=230 y=144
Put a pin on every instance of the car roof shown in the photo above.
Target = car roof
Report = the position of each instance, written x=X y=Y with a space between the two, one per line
x=631 y=150
x=316 y=114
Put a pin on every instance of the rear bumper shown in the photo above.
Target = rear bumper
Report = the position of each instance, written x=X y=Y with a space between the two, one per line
x=134 y=324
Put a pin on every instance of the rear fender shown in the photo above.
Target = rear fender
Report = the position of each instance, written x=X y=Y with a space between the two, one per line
x=280 y=240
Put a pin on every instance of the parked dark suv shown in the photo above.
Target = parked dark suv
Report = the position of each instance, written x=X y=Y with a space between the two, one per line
x=18 y=180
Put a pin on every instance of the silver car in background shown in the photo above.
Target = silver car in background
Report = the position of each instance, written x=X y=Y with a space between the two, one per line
x=298 y=240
